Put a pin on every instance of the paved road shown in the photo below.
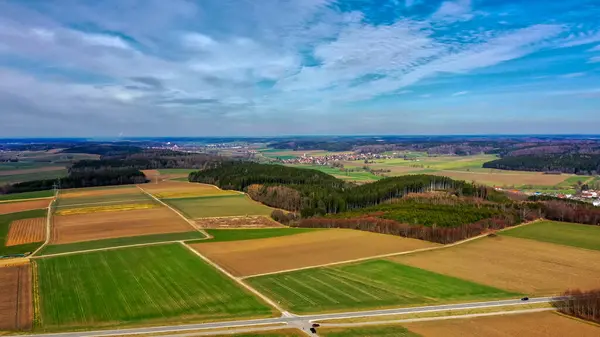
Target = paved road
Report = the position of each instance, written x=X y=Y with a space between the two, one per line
x=300 y=319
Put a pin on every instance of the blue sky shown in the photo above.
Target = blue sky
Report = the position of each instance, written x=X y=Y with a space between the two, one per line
x=269 y=67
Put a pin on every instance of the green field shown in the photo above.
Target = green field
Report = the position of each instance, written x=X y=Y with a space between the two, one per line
x=17 y=178
x=372 y=331
x=176 y=171
x=221 y=235
x=118 y=287
x=277 y=333
x=5 y=221
x=118 y=242
x=27 y=195
x=215 y=206
x=368 y=285
x=562 y=233
x=355 y=176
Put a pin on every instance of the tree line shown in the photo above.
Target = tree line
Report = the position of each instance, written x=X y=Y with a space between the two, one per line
x=580 y=304
x=575 y=163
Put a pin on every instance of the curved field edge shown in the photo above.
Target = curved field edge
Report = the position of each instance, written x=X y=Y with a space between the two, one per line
x=143 y=285
x=562 y=233
x=121 y=242
x=369 y=285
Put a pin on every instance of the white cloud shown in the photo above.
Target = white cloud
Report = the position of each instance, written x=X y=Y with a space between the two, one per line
x=580 y=38
x=460 y=93
x=595 y=59
x=573 y=75
x=597 y=48
x=453 y=10
x=101 y=40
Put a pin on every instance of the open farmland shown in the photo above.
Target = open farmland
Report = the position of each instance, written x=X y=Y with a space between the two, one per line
x=303 y=250
x=372 y=284
x=511 y=178
x=107 y=225
x=6 y=220
x=16 y=309
x=242 y=222
x=562 y=233
x=18 y=176
x=274 y=333
x=155 y=283
x=98 y=191
x=219 y=206
x=20 y=206
x=221 y=235
x=106 y=208
x=519 y=265
x=177 y=189
x=540 y=324
x=371 y=331
x=26 y=231
x=26 y=195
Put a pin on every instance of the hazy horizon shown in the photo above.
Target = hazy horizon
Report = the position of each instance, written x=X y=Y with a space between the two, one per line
x=227 y=68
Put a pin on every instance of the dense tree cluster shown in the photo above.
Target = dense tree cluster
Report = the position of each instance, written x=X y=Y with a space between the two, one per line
x=567 y=163
x=580 y=304
x=103 y=149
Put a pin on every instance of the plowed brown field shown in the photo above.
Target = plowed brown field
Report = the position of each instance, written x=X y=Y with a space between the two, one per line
x=26 y=231
x=540 y=324
x=94 y=192
x=238 y=222
x=12 y=207
x=16 y=308
x=520 y=265
x=180 y=189
x=303 y=250
x=87 y=227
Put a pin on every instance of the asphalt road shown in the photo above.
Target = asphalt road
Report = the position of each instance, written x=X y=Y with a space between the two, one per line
x=298 y=319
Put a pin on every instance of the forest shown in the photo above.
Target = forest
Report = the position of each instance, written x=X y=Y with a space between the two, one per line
x=587 y=164
x=580 y=304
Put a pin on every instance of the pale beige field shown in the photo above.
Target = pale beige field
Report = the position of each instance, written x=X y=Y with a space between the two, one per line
x=94 y=192
x=107 y=225
x=540 y=324
x=238 y=222
x=26 y=231
x=520 y=265
x=505 y=179
x=303 y=250
x=12 y=207
x=180 y=189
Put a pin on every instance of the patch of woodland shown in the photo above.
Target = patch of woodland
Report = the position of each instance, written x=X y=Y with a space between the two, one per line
x=581 y=304
x=574 y=163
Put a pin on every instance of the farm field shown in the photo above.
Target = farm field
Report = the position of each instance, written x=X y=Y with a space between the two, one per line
x=174 y=189
x=33 y=174
x=353 y=176
x=26 y=231
x=120 y=207
x=6 y=246
x=368 y=285
x=154 y=283
x=562 y=233
x=242 y=222
x=374 y=331
x=519 y=265
x=119 y=242
x=20 y=206
x=274 y=333
x=540 y=324
x=108 y=225
x=16 y=309
x=218 y=206
x=26 y=195
x=96 y=192
x=222 y=235
x=9 y=172
x=303 y=250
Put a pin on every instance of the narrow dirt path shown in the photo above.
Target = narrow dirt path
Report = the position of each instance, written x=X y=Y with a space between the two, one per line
x=48 y=225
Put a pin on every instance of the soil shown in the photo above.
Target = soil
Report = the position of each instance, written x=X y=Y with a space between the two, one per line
x=26 y=231
x=96 y=226
x=541 y=324
x=238 y=222
x=12 y=207
x=520 y=265
x=16 y=308
x=180 y=189
x=78 y=193
x=252 y=257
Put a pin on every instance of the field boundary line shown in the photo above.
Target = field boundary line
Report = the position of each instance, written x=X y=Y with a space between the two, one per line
x=390 y=254
x=238 y=280
x=439 y=318
x=190 y=222
x=109 y=248
x=23 y=200
x=48 y=225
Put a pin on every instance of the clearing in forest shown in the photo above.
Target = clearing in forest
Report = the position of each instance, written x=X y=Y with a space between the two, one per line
x=539 y=324
x=20 y=206
x=245 y=222
x=158 y=283
x=107 y=225
x=26 y=231
x=368 y=285
x=219 y=206
x=304 y=250
x=520 y=265
x=177 y=189
x=562 y=233
x=16 y=309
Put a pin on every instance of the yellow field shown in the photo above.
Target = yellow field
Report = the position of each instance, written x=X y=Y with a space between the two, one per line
x=107 y=208
x=177 y=189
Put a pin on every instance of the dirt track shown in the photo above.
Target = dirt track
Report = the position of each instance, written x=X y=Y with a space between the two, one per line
x=26 y=231
x=303 y=250
x=86 y=227
x=16 y=308
x=13 y=207
x=514 y=264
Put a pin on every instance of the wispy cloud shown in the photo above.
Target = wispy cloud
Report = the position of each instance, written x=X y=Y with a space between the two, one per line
x=460 y=93
x=594 y=59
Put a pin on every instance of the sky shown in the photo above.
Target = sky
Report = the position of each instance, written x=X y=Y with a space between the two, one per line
x=111 y=68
